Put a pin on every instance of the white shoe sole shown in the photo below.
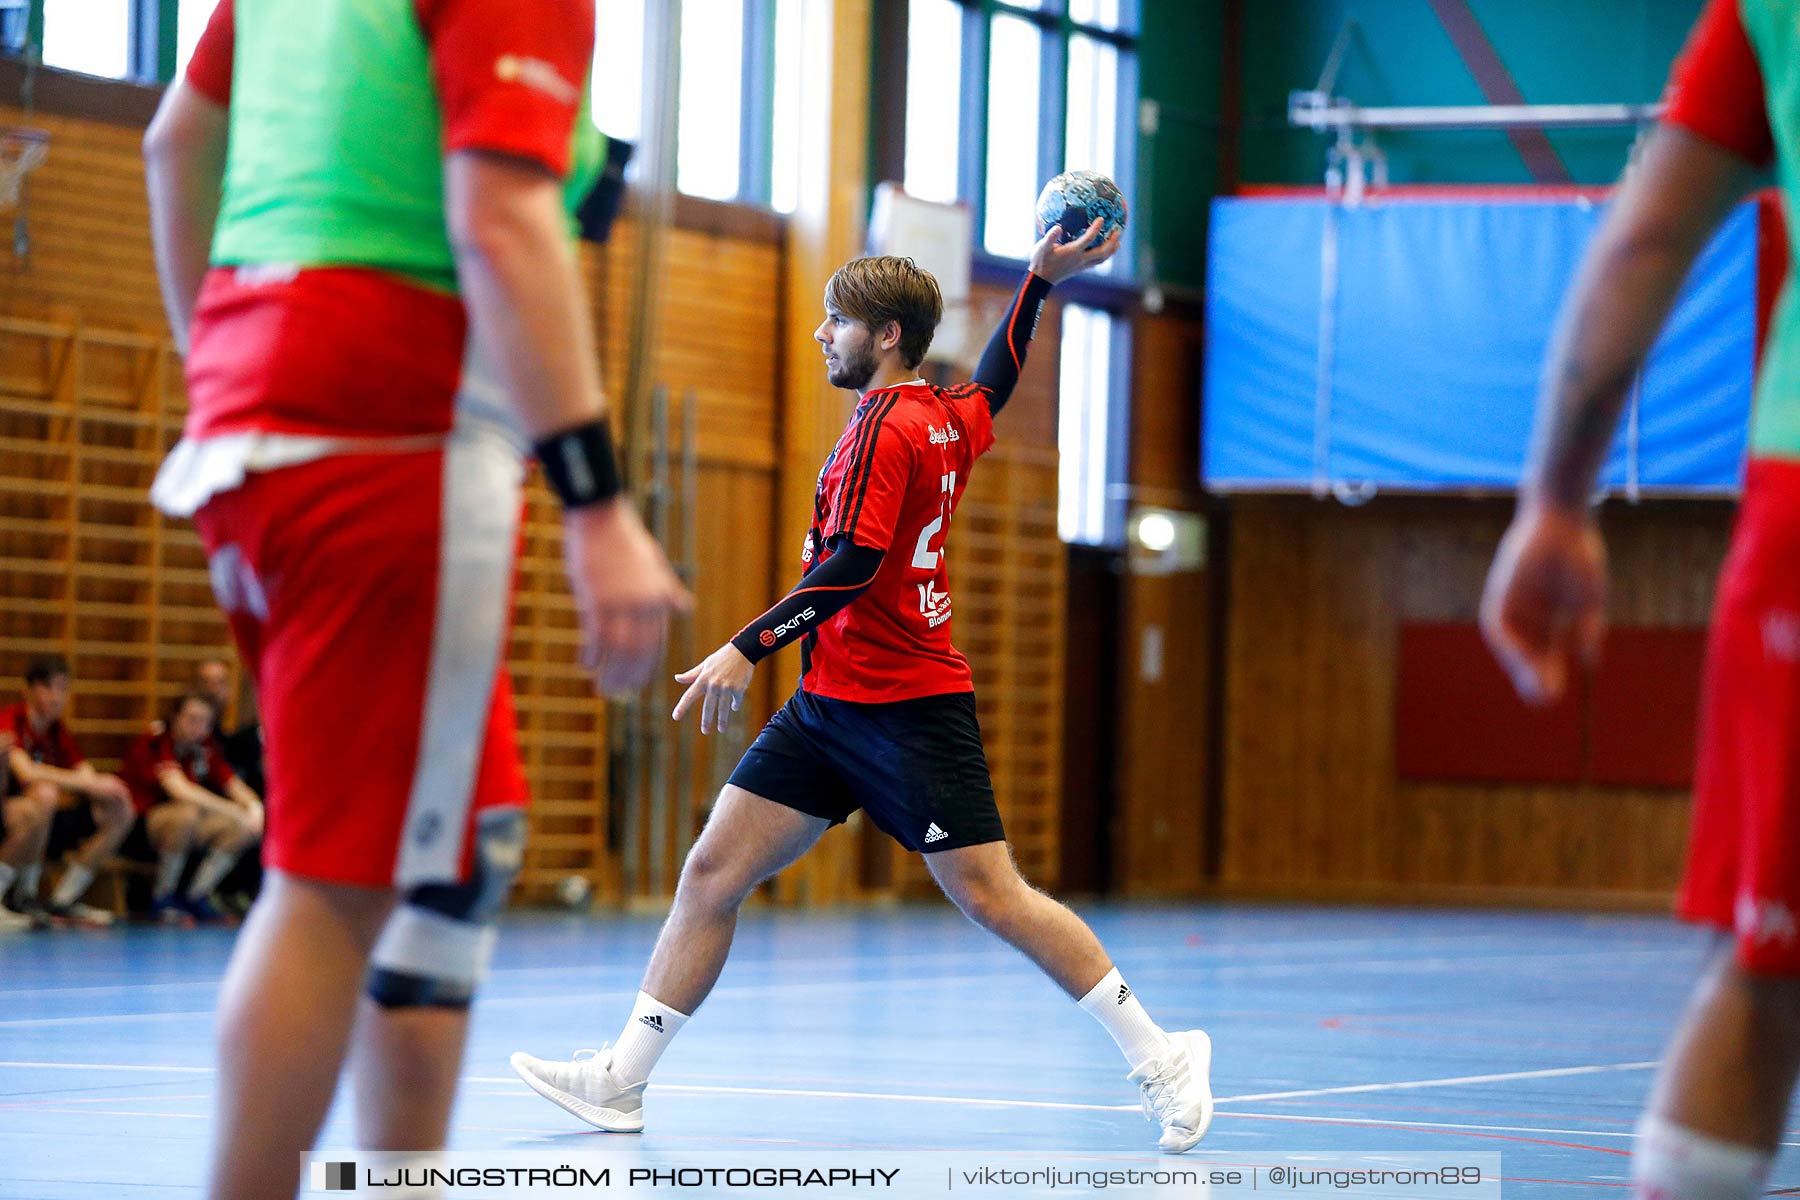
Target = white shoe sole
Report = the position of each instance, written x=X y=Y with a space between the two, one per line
x=1200 y=1055
x=611 y=1120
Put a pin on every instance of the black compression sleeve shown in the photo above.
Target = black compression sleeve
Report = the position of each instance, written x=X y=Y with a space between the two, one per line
x=998 y=372
x=821 y=594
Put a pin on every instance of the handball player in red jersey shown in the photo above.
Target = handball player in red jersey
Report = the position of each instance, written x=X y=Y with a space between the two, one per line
x=884 y=719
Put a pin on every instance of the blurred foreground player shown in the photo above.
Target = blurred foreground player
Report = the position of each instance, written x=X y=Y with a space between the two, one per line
x=1717 y=1110
x=884 y=718
x=360 y=218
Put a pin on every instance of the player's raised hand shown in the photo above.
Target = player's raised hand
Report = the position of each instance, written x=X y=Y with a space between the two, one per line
x=717 y=685
x=1054 y=260
x=625 y=592
x=1545 y=600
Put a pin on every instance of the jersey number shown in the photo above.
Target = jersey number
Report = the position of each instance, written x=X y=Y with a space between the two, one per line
x=924 y=557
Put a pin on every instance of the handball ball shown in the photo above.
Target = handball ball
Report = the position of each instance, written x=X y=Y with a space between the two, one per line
x=1075 y=198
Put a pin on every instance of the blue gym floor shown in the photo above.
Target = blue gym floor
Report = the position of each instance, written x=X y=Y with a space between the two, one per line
x=1334 y=1029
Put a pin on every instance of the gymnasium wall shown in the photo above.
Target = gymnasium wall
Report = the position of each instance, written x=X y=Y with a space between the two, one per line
x=1312 y=597
x=1313 y=803
x=91 y=397
x=1181 y=156
x=1596 y=51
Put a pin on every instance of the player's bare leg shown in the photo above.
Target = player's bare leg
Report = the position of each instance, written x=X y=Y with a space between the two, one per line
x=285 y=1013
x=1727 y=1078
x=28 y=818
x=985 y=884
x=746 y=840
x=111 y=811
x=406 y=1062
x=1171 y=1069
x=112 y=821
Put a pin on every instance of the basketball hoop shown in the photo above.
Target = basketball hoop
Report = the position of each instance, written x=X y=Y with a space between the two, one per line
x=20 y=150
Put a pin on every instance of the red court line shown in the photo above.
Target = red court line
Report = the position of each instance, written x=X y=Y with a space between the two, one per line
x=1338 y=1101
x=1564 y=1182
x=1499 y=1137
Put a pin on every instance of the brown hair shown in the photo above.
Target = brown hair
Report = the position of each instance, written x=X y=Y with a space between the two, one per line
x=889 y=288
x=187 y=698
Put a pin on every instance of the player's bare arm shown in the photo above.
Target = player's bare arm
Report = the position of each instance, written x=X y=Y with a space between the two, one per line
x=718 y=684
x=177 y=786
x=519 y=279
x=184 y=164
x=82 y=780
x=1545 y=595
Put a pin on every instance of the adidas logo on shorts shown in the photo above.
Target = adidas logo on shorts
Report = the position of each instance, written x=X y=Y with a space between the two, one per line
x=1124 y=993
x=934 y=834
x=654 y=1021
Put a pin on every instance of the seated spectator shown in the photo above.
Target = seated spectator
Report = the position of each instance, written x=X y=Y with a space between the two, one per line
x=187 y=797
x=212 y=679
x=18 y=838
x=48 y=773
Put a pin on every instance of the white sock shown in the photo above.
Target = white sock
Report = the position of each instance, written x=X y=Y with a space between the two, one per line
x=8 y=873
x=1117 y=1009
x=72 y=885
x=653 y=1025
x=28 y=882
x=1670 y=1162
x=211 y=872
x=168 y=873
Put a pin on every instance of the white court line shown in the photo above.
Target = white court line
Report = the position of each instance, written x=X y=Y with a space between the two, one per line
x=519 y=1089
x=1454 y=1081
x=52 y=1066
x=991 y=1102
x=1628 y=1134
x=40 y=1022
x=714 y=1089
x=980 y=957
x=1260 y=971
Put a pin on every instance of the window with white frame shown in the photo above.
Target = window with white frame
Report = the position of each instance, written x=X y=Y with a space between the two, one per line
x=618 y=75
x=90 y=36
x=933 y=103
x=190 y=22
x=1003 y=94
x=738 y=117
x=1090 y=434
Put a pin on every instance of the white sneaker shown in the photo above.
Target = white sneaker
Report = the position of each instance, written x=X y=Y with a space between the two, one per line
x=81 y=914
x=586 y=1087
x=1177 y=1090
x=15 y=922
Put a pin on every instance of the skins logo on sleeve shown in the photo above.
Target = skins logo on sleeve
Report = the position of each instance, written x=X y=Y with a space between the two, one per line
x=806 y=614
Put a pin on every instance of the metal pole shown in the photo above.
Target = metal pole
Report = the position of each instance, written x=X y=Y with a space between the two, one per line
x=654 y=210
x=1325 y=113
x=686 y=635
x=657 y=717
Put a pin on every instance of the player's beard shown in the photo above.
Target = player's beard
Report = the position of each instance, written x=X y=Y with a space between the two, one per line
x=853 y=370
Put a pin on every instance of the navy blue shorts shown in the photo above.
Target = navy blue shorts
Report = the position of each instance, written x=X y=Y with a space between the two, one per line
x=915 y=766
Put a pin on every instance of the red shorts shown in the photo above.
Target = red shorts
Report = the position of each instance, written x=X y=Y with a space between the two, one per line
x=370 y=597
x=1743 y=869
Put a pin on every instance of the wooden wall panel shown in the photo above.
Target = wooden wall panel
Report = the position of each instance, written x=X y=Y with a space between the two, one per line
x=1164 y=650
x=1312 y=804
x=91 y=396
